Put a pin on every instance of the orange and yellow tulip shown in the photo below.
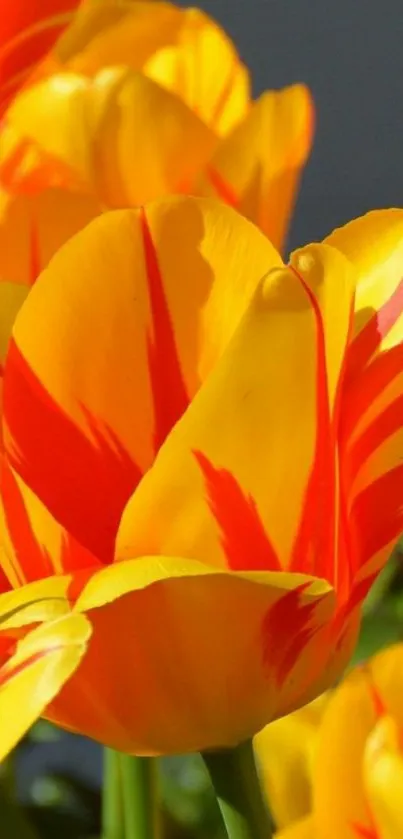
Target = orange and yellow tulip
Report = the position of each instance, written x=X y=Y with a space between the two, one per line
x=354 y=786
x=203 y=455
x=144 y=99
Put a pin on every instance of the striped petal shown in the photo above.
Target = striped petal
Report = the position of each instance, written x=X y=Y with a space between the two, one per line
x=372 y=412
x=32 y=676
x=219 y=490
x=126 y=357
x=160 y=678
x=257 y=167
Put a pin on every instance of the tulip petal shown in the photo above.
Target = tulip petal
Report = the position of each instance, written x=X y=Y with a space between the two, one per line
x=368 y=693
x=120 y=136
x=383 y=778
x=160 y=677
x=141 y=347
x=204 y=70
x=33 y=228
x=285 y=750
x=373 y=391
x=28 y=30
x=257 y=167
x=30 y=679
x=217 y=489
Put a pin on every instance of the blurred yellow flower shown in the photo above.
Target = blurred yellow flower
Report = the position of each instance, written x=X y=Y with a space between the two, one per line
x=334 y=770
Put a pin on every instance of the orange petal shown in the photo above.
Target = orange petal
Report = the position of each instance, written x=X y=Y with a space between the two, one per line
x=257 y=167
x=160 y=678
x=141 y=347
x=34 y=674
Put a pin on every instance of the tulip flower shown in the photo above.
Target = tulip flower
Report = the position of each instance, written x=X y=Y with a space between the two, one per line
x=203 y=456
x=146 y=99
x=356 y=766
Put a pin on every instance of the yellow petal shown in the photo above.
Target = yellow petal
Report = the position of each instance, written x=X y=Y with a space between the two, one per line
x=285 y=750
x=32 y=677
x=120 y=136
x=184 y=657
x=219 y=490
x=257 y=167
x=204 y=70
x=126 y=356
x=184 y=50
x=350 y=716
x=383 y=778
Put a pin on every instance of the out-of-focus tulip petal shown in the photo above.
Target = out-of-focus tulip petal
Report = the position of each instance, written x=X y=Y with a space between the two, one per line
x=32 y=229
x=108 y=32
x=366 y=694
x=224 y=635
x=119 y=136
x=304 y=829
x=372 y=434
x=207 y=496
x=126 y=356
x=204 y=70
x=257 y=167
x=383 y=778
x=31 y=677
x=285 y=752
x=184 y=50
x=28 y=30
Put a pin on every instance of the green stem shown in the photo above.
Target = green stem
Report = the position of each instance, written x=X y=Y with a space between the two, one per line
x=112 y=797
x=237 y=788
x=139 y=795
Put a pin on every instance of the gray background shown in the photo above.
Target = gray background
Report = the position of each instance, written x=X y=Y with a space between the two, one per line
x=350 y=53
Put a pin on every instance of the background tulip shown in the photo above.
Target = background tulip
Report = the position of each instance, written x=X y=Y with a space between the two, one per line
x=355 y=778
x=218 y=598
x=145 y=99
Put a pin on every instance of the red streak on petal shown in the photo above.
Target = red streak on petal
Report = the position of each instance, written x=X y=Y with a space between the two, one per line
x=34 y=562
x=314 y=546
x=364 y=832
x=244 y=540
x=368 y=340
x=287 y=628
x=383 y=427
x=168 y=387
x=223 y=189
x=377 y=513
x=85 y=483
x=368 y=387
